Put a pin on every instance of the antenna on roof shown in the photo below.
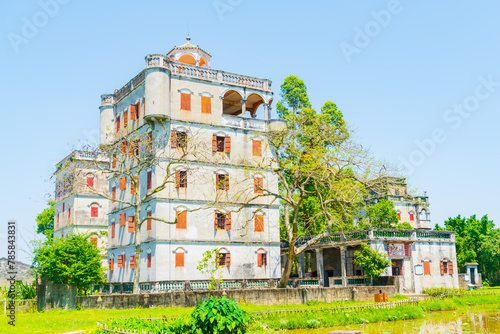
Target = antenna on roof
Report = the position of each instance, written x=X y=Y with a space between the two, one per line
x=188 y=37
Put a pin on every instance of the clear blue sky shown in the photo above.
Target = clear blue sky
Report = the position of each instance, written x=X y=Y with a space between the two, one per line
x=397 y=80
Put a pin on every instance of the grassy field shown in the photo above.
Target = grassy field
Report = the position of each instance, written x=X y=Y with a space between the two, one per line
x=74 y=320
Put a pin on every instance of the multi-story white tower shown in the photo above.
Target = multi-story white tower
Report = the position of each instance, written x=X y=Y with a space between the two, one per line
x=181 y=101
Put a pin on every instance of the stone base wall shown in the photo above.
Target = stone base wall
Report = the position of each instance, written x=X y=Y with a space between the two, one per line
x=55 y=296
x=253 y=296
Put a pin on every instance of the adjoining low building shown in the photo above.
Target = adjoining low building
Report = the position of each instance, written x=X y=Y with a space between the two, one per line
x=22 y=272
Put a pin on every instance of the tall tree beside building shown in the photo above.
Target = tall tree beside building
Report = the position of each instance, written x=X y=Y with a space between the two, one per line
x=45 y=221
x=324 y=174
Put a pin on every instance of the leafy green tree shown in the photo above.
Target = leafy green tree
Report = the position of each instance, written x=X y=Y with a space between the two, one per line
x=71 y=260
x=45 y=221
x=382 y=215
x=372 y=261
x=477 y=240
x=208 y=266
x=324 y=176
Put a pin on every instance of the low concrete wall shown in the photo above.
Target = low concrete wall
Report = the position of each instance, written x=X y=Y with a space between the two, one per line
x=253 y=296
x=55 y=296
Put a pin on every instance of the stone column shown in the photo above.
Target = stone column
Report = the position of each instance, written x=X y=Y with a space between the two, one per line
x=244 y=108
x=301 y=266
x=342 y=265
x=320 y=266
x=266 y=111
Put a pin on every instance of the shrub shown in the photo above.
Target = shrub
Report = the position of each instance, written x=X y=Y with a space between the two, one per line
x=213 y=315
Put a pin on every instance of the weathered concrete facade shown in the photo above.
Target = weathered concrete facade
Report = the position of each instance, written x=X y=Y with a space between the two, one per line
x=179 y=93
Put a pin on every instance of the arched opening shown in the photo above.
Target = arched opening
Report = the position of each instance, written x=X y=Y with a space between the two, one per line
x=203 y=62
x=255 y=106
x=231 y=104
x=187 y=59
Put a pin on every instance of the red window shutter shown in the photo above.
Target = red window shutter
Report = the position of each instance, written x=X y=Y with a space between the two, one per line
x=90 y=181
x=69 y=213
x=149 y=260
x=214 y=143
x=228 y=222
x=450 y=267
x=118 y=124
x=112 y=230
x=227 y=182
x=113 y=193
x=149 y=177
x=227 y=145
x=427 y=268
x=412 y=217
x=111 y=264
x=259 y=260
x=259 y=223
x=216 y=226
x=133 y=110
x=179 y=259
x=185 y=101
x=132 y=262
x=144 y=106
x=441 y=266
x=114 y=160
x=120 y=261
x=177 y=178
x=131 y=224
x=228 y=260
x=181 y=219
x=94 y=211
x=258 y=185
x=123 y=183
x=122 y=219
x=125 y=119
x=173 y=139
x=206 y=105
x=132 y=186
x=399 y=216
x=257 y=148
x=58 y=218
x=93 y=241
x=149 y=221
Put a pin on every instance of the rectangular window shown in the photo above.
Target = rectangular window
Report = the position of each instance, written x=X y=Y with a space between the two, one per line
x=222 y=221
x=94 y=211
x=148 y=224
x=123 y=183
x=259 y=223
x=149 y=260
x=178 y=139
x=118 y=124
x=69 y=213
x=256 y=148
x=412 y=217
x=120 y=261
x=206 y=105
x=149 y=179
x=111 y=264
x=123 y=147
x=181 y=219
x=427 y=268
x=444 y=267
x=224 y=260
x=258 y=184
x=221 y=144
x=222 y=182
x=90 y=181
x=185 y=101
x=181 y=179
x=131 y=224
x=63 y=207
x=179 y=259
x=261 y=259
x=112 y=230
x=122 y=219
x=132 y=262
x=137 y=106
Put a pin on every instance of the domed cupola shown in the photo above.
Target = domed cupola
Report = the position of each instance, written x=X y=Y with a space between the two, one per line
x=190 y=54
